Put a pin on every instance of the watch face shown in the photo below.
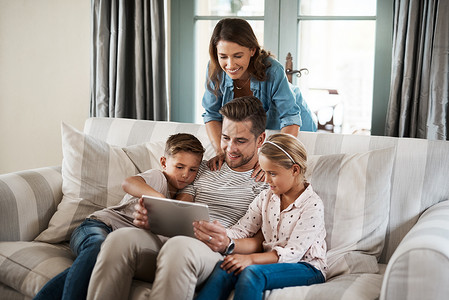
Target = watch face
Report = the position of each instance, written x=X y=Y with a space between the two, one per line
x=231 y=247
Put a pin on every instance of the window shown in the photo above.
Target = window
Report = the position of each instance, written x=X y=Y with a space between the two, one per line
x=338 y=41
x=336 y=44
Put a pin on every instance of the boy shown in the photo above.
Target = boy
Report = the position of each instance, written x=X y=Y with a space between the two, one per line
x=182 y=157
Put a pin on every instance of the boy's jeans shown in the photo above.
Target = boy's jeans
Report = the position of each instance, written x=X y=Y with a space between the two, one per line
x=255 y=279
x=85 y=243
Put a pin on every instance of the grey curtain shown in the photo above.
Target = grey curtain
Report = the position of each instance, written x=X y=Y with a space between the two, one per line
x=128 y=68
x=418 y=104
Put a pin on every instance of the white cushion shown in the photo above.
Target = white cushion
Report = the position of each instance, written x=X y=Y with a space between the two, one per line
x=355 y=189
x=92 y=173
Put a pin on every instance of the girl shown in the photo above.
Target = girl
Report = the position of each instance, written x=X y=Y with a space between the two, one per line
x=239 y=67
x=289 y=216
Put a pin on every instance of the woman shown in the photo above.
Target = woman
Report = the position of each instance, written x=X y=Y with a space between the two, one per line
x=239 y=67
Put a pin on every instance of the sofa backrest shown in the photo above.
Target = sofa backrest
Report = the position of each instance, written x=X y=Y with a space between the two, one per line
x=419 y=171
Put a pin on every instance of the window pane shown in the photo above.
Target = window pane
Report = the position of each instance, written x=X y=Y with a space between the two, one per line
x=203 y=33
x=337 y=7
x=340 y=58
x=230 y=7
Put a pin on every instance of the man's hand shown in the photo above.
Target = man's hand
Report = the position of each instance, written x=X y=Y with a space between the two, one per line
x=213 y=234
x=236 y=263
x=140 y=215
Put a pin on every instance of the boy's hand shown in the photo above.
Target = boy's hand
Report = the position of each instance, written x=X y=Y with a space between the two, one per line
x=236 y=263
x=213 y=234
x=140 y=215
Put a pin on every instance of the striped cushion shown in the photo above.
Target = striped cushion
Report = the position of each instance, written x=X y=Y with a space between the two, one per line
x=92 y=172
x=27 y=266
x=419 y=177
x=145 y=156
x=419 y=267
x=355 y=189
x=11 y=294
x=28 y=200
x=345 y=287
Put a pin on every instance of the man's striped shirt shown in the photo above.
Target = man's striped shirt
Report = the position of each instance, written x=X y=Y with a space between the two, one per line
x=227 y=193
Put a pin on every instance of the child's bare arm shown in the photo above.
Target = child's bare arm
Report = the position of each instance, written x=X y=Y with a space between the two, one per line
x=136 y=186
x=184 y=197
x=249 y=245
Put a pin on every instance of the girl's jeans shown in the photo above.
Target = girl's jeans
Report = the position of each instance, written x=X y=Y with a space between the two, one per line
x=72 y=283
x=255 y=279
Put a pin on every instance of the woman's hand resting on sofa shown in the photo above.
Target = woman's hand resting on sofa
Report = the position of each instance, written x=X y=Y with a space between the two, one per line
x=140 y=215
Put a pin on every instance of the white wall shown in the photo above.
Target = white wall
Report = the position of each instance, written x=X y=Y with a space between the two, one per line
x=44 y=78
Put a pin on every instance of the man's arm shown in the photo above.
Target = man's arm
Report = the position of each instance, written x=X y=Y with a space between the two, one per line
x=214 y=235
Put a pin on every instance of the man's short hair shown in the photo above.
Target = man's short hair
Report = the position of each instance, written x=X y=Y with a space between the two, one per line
x=183 y=142
x=246 y=108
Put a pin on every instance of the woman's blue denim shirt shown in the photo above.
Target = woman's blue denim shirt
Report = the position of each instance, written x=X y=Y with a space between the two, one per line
x=282 y=101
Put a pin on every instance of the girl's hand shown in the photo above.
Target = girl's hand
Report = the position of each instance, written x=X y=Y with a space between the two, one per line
x=140 y=215
x=236 y=263
x=216 y=162
x=258 y=173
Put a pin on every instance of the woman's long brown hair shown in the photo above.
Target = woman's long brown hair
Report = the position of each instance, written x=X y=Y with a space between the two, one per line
x=240 y=32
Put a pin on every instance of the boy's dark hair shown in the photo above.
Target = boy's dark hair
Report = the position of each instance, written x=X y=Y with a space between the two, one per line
x=183 y=142
x=246 y=108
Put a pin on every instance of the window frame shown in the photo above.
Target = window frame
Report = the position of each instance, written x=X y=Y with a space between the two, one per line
x=277 y=36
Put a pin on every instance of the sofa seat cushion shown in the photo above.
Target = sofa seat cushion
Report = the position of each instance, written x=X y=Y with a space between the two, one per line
x=344 y=287
x=11 y=294
x=27 y=266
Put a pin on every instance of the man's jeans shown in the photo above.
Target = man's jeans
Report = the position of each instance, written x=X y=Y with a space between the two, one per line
x=255 y=279
x=72 y=283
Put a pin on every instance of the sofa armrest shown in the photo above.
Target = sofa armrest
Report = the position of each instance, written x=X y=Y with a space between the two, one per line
x=419 y=268
x=28 y=199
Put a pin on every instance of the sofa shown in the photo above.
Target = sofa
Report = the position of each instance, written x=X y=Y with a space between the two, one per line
x=386 y=208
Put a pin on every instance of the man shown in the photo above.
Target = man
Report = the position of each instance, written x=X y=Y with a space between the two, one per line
x=184 y=262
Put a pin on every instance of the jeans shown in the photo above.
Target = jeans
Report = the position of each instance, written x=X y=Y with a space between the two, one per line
x=72 y=283
x=255 y=279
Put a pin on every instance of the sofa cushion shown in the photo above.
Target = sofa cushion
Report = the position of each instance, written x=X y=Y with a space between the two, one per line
x=345 y=287
x=355 y=189
x=27 y=266
x=92 y=173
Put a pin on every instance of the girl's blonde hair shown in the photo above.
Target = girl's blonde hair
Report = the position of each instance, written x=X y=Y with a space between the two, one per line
x=286 y=151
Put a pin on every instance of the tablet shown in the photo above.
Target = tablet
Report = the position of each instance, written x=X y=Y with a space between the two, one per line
x=169 y=217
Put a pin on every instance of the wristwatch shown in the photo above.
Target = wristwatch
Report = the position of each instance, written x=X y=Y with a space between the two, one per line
x=230 y=247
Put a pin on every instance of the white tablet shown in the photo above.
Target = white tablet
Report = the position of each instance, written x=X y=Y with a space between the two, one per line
x=169 y=217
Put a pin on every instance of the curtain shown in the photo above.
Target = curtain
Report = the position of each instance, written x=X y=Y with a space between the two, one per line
x=418 y=104
x=128 y=67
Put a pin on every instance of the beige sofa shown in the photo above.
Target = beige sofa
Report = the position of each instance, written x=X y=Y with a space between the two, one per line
x=387 y=220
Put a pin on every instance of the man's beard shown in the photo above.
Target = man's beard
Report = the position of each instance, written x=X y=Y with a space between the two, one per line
x=243 y=160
